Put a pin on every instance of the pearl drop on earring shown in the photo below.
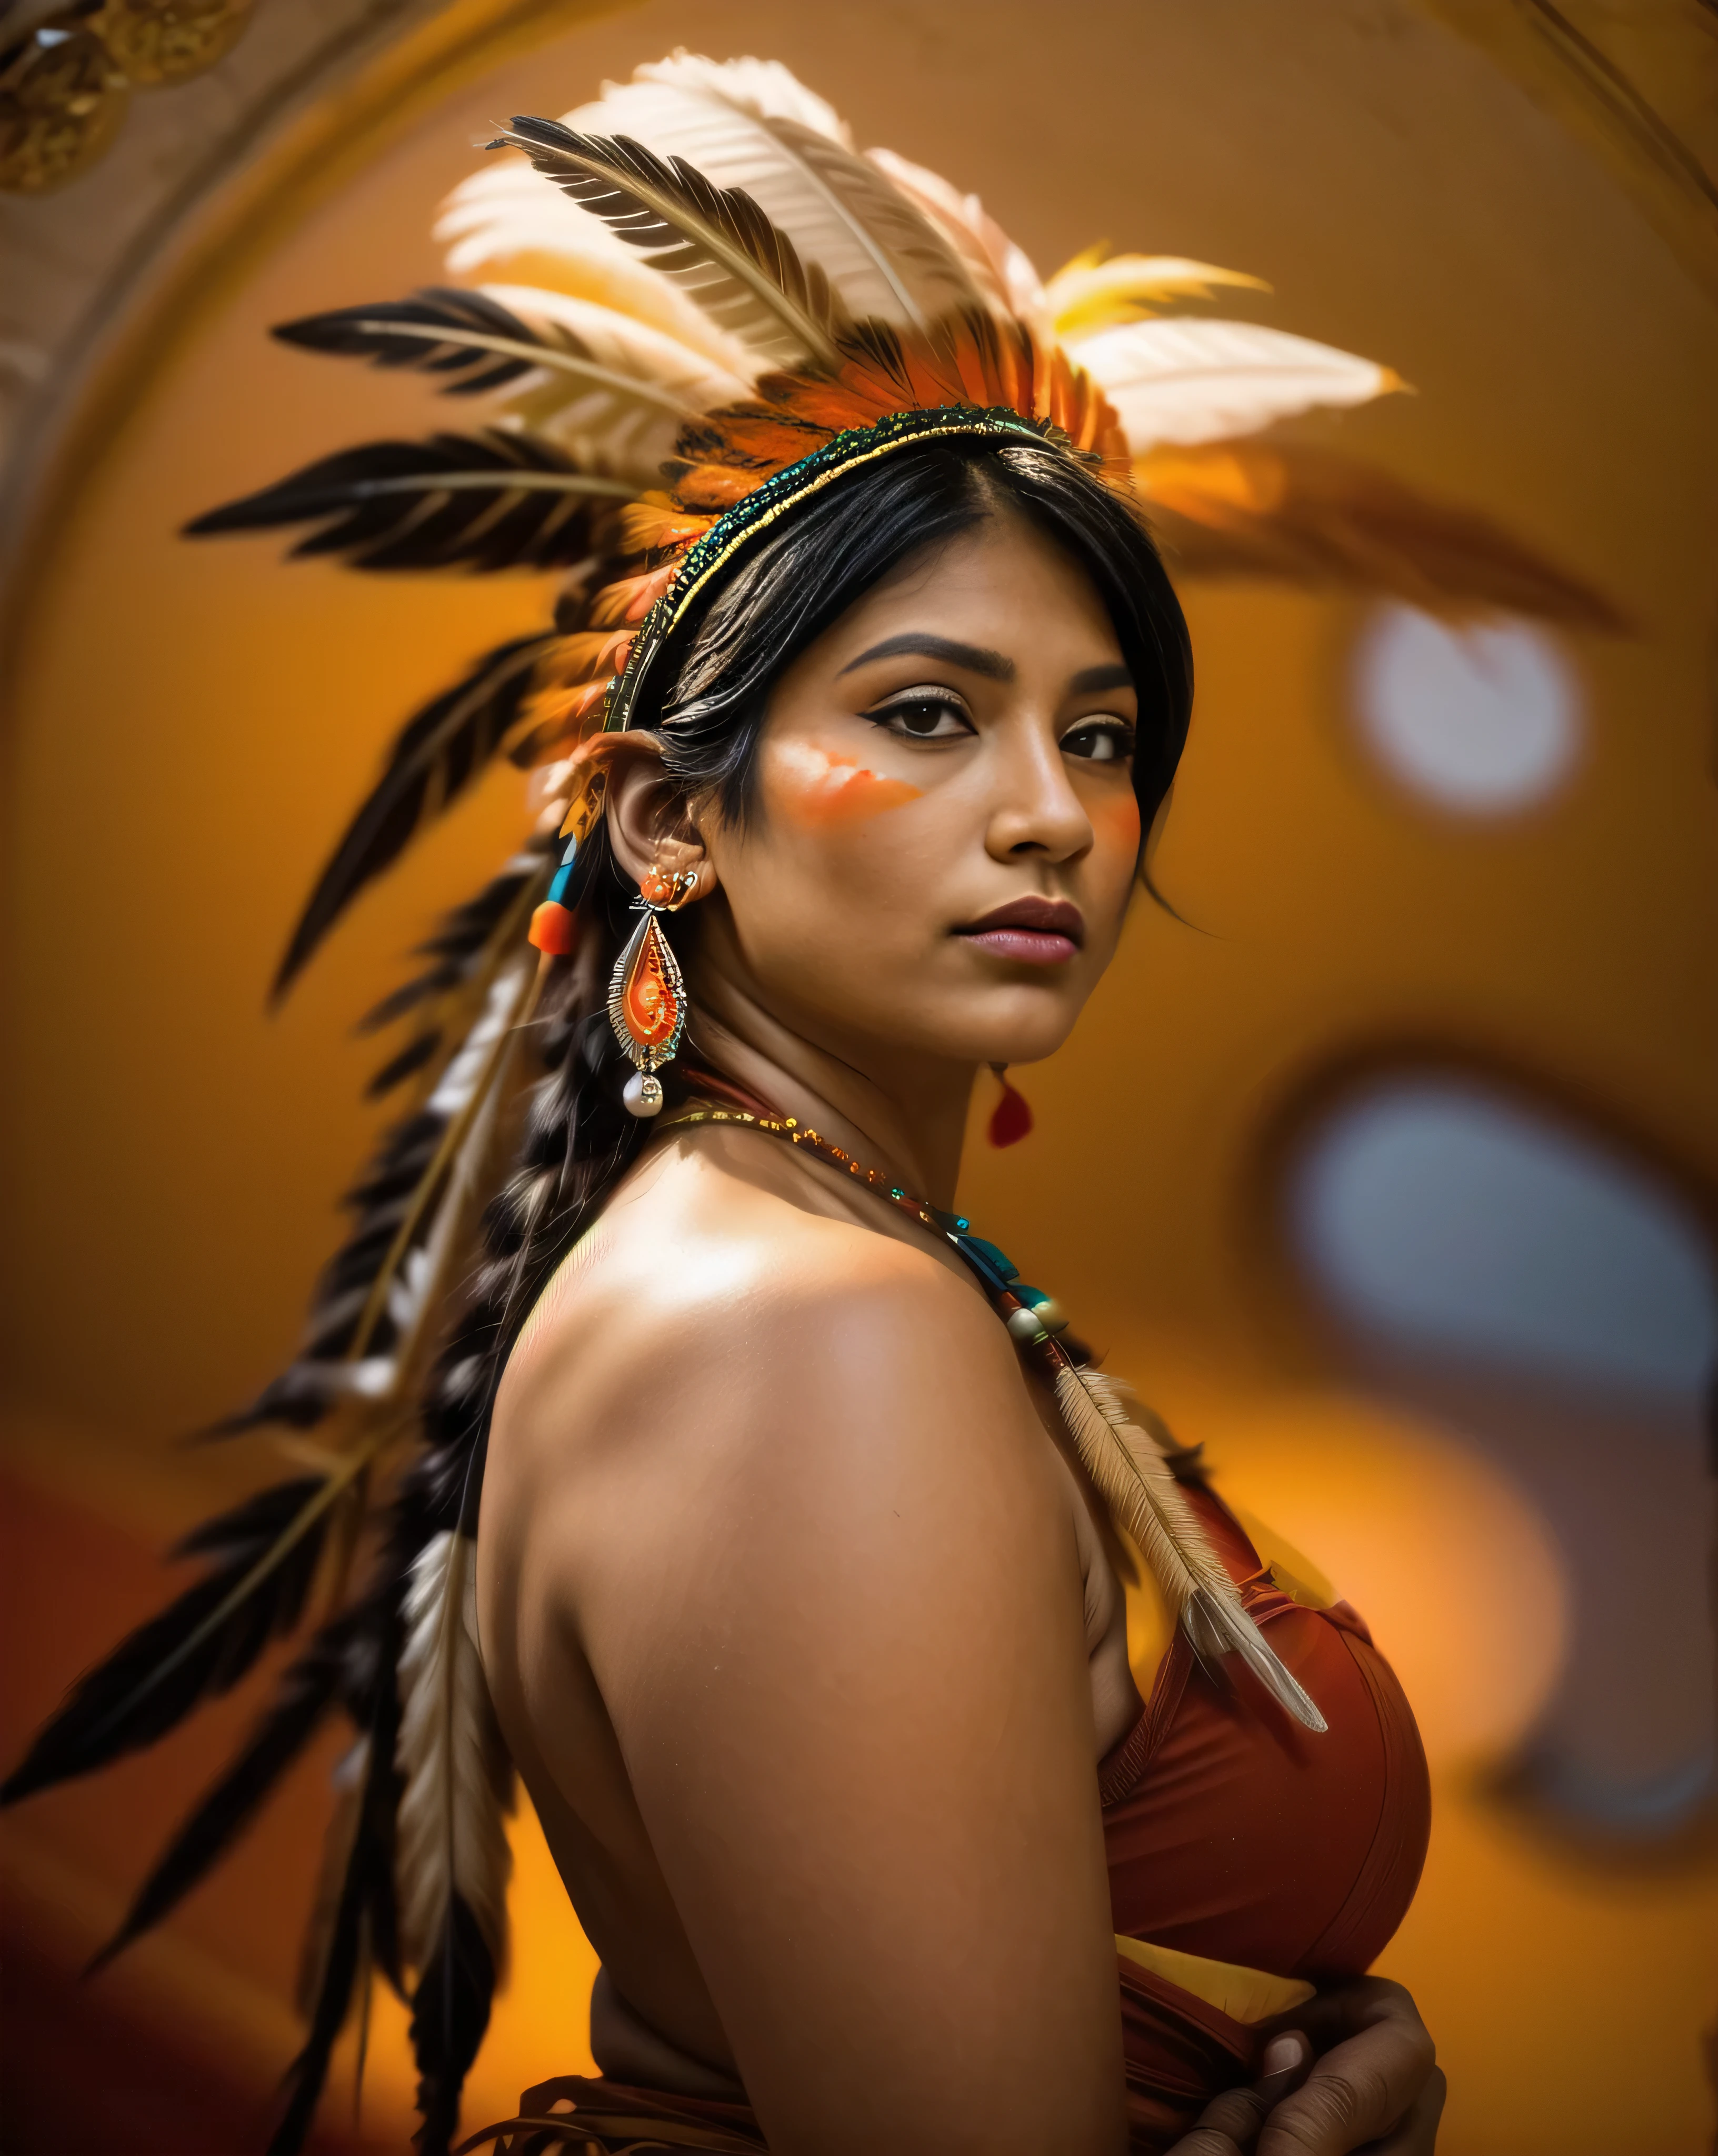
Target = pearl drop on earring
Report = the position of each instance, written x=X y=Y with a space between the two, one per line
x=642 y=1094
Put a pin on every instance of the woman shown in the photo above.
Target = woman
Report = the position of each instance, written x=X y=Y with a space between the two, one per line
x=895 y=1695
x=802 y=1616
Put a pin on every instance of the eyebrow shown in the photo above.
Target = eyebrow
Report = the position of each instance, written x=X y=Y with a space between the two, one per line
x=977 y=659
x=1112 y=676
x=974 y=657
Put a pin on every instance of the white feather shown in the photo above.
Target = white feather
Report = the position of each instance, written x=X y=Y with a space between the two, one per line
x=412 y=1294
x=1178 y=379
x=371 y=1377
x=1136 y=1483
x=458 y=1779
x=763 y=86
x=459 y=1081
x=467 y=1095
x=631 y=433
x=1002 y=271
x=748 y=124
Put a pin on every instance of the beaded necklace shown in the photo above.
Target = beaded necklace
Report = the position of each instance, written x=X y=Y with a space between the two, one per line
x=1032 y=1316
x=1133 y=1468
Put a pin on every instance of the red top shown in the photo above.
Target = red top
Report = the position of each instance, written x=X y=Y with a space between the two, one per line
x=1234 y=1833
x=1231 y=1833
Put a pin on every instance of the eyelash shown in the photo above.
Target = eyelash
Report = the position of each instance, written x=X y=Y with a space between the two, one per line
x=921 y=700
x=1116 y=732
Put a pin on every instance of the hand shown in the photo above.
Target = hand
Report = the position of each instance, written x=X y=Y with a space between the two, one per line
x=1374 y=2087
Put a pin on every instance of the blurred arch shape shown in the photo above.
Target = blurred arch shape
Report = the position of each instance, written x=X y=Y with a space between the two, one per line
x=1535 y=1287
x=1457 y=1221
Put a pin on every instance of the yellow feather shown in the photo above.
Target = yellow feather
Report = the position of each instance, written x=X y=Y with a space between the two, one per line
x=1089 y=294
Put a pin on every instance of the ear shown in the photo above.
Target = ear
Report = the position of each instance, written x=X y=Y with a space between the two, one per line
x=647 y=825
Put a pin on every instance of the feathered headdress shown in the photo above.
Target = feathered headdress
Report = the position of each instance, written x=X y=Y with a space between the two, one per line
x=698 y=302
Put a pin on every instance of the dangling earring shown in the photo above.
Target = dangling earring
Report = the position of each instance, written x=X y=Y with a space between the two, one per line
x=1011 y=1119
x=647 y=998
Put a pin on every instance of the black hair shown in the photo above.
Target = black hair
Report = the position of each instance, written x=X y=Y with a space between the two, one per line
x=715 y=677
x=800 y=579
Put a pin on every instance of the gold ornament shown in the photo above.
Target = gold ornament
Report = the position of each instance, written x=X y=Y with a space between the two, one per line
x=64 y=87
x=61 y=103
x=163 y=41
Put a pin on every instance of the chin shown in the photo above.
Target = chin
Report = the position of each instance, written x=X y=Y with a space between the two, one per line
x=1017 y=1035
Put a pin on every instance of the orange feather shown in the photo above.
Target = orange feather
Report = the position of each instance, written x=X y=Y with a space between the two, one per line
x=712 y=487
x=630 y=599
x=573 y=660
x=656 y=522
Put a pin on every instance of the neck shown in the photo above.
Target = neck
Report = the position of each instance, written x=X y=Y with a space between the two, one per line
x=905 y=1114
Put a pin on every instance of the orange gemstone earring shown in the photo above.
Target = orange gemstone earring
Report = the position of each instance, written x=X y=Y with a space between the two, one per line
x=1011 y=1119
x=647 y=998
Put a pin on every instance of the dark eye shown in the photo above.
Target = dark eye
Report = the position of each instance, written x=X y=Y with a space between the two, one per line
x=923 y=715
x=1099 y=740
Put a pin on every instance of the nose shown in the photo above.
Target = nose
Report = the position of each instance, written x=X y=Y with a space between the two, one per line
x=1035 y=809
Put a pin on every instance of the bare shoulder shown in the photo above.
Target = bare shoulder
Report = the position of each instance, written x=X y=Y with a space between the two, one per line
x=715 y=1349
x=699 y=1282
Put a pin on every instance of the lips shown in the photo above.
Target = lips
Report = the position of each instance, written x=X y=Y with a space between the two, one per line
x=1029 y=932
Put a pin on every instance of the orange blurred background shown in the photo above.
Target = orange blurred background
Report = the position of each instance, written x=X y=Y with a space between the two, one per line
x=1392 y=1179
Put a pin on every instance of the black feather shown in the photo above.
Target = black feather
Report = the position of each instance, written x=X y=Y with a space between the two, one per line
x=450 y=2011
x=365 y=1908
x=319 y=1375
x=416 y=1053
x=458 y=945
x=461 y=951
x=195 y=1649
x=339 y=1665
x=481 y=502
x=441 y=750
x=432 y=334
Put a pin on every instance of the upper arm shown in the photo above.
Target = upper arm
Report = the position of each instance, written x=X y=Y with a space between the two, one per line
x=832 y=1596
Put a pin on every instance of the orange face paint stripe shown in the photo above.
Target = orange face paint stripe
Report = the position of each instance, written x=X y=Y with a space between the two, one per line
x=837 y=789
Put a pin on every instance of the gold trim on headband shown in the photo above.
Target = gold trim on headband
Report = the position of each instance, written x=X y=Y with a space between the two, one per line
x=846 y=452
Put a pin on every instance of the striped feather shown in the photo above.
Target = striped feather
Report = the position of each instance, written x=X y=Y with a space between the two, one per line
x=748 y=125
x=746 y=274
x=458 y=1778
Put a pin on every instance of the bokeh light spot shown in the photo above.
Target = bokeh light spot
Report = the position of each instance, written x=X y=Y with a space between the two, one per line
x=1481 y=719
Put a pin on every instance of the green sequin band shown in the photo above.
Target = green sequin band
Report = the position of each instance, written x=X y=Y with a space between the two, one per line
x=736 y=527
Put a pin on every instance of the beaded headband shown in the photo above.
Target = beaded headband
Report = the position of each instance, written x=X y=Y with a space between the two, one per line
x=678 y=583
x=783 y=490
